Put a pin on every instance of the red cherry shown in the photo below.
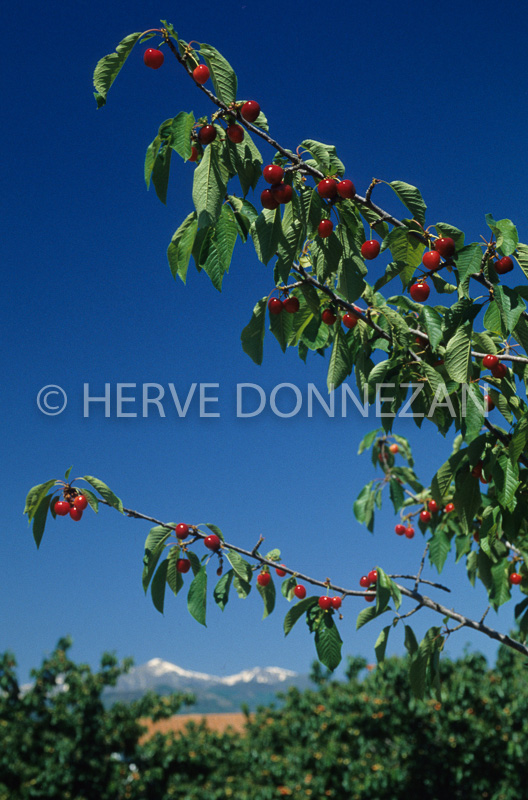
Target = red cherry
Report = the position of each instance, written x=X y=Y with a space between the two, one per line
x=373 y=575
x=275 y=305
x=350 y=321
x=153 y=58
x=515 y=578
x=212 y=542
x=370 y=598
x=490 y=405
x=183 y=565
x=207 y=134
x=328 y=317
x=477 y=470
x=400 y=529
x=194 y=154
x=250 y=110
x=432 y=505
x=280 y=572
x=394 y=449
x=282 y=192
x=503 y=265
x=370 y=249
x=364 y=581
x=325 y=228
x=182 y=530
x=201 y=74
x=419 y=292
x=490 y=361
x=235 y=133
x=300 y=591
x=425 y=516
x=449 y=508
x=431 y=259
x=75 y=513
x=80 y=502
x=291 y=305
x=268 y=200
x=62 y=508
x=263 y=578
x=445 y=246
x=346 y=189
x=327 y=188
x=325 y=602
x=409 y=532
x=500 y=370
x=273 y=173
x=476 y=537
x=336 y=602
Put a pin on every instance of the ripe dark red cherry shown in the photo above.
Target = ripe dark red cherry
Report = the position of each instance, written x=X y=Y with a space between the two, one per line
x=515 y=578
x=445 y=246
x=153 y=58
x=282 y=192
x=490 y=405
x=182 y=530
x=490 y=361
x=370 y=249
x=477 y=470
x=263 y=578
x=327 y=188
x=280 y=572
x=250 y=110
x=373 y=575
x=268 y=200
x=183 y=565
x=399 y=529
x=425 y=516
x=194 y=154
x=273 y=173
x=291 y=305
x=449 y=508
x=62 y=508
x=207 y=134
x=503 y=265
x=476 y=537
x=212 y=542
x=432 y=505
x=325 y=228
x=346 y=189
x=201 y=74
x=328 y=317
x=80 y=502
x=419 y=292
x=500 y=370
x=325 y=602
x=409 y=532
x=235 y=133
x=364 y=581
x=300 y=591
x=75 y=513
x=370 y=598
x=275 y=305
x=431 y=259
x=350 y=320
x=336 y=602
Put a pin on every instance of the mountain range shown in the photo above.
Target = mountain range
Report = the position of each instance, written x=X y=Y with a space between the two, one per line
x=214 y=694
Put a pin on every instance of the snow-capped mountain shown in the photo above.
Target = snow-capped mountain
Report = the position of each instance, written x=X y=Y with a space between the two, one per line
x=213 y=693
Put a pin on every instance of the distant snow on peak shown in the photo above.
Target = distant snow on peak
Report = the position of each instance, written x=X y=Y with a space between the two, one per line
x=158 y=668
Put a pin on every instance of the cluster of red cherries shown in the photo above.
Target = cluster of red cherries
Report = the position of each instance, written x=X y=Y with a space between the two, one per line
x=369 y=581
x=73 y=507
x=426 y=516
x=212 y=542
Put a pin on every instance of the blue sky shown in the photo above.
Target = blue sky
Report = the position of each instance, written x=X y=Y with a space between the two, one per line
x=406 y=92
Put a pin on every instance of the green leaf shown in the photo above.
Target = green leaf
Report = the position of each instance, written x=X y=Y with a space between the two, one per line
x=405 y=248
x=328 y=643
x=281 y=326
x=209 y=188
x=180 y=133
x=216 y=530
x=385 y=590
x=67 y=473
x=326 y=157
x=411 y=199
x=197 y=597
x=92 y=499
x=368 y=440
x=240 y=565
x=396 y=494
x=161 y=171
x=218 y=246
x=468 y=261
x=253 y=334
x=522 y=258
x=510 y=305
x=154 y=546
x=108 y=67
x=221 y=590
x=444 y=476
x=39 y=518
x=105 y=492
x=367 y=615
x=196 y=564
x=246 y=162
x=287 y=587
x=381 y=644
x=467 y=499
x=242 y=587
x=34 y=497
x=222 y=74
x=458 y=356
x=174 y=577
x=268 y=595
x=181 y=246
x=421 y=660
x=266 y=232
x=443 y=229
x=499 y=591
x=439 y=547
x=297 y=611
x=159 y=582
x=506 y=480
x=506 y=234
x=519 y=439
x=340 y=365
x=410 y=642
x=432 y=322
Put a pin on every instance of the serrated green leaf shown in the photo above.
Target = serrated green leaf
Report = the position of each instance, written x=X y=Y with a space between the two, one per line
x=522 y=257
x=510 y=306
x=196 y=564
x=506 y=234
x=468 y=261
x=222 y=74
x=297 y=611
x=467 y=499
x=367 y=615
x=154 y=546
x=39 y=518
x=396 y=494
x=281 y=326
x=105 y=492
x=410 y=642
x=197 y=597
x=411 y=199
x=432 y=322
x=444 y=476
x=326 y=157
x=368 y=440
x=328 y=643
x=506 y=480
x=108 y=67
x=217 y=248
x=443 y=229
x=253 y=334
x=265 y=233
x=519 y=439
x=458 y=356
x=157 y=588
x=209 y=188
x=221 y=590
x=179 y=134
x=174 y=577
x=161 y=172
x=181 y=246
x=92 y=499
x=268 y=595
x=439 y=547
x=340 y=365
x=243 y=588
x=35 y=495
x=240 y=565
x=381 y=644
